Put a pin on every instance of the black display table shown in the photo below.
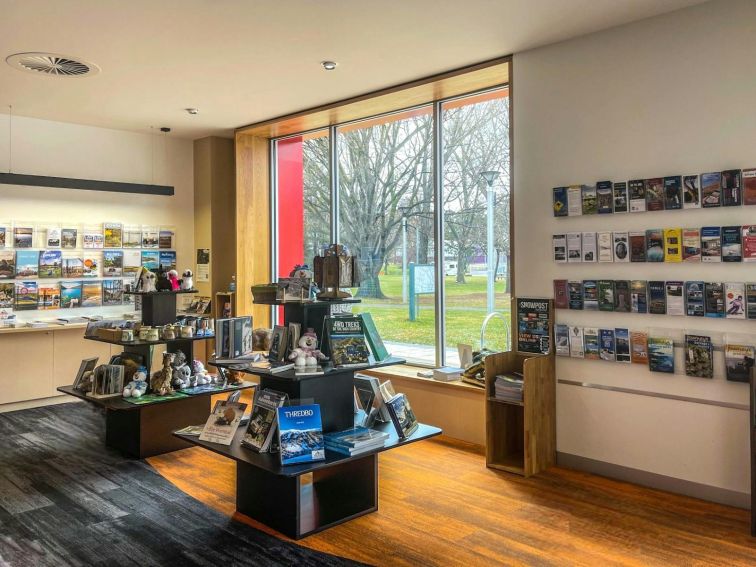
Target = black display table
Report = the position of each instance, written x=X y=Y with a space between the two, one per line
x=342 y=487
x=159 y=307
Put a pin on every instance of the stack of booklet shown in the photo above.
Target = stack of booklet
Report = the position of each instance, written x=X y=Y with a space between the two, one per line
x=508 y=387
x=355 y=441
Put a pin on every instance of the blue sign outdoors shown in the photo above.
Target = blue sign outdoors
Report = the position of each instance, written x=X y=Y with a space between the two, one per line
x=422 y=279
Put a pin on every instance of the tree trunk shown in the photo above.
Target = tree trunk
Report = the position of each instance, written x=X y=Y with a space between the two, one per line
x=496 y=267
x=461 y=267
x=370 y=287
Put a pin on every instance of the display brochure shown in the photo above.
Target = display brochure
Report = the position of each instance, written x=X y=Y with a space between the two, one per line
x=622 y=345
x=732 y=250
x=49 y=296
x=69 y=238
x=591 y=343
x=4 y=236
x=27 y=264
x=711 y=244
x=714 y=301
x=691 y=244
x=620 y=197
x=387 y=392
x=621 y=247
x=605 y=246
x=654 y=194
x=151 y=260
x=73 y=267
x=749 y=186
x=278 y=343
x=574 y=201
x=673 y=245
x=559 y=247
x=132 y=262
x=261 y=429
x=53 y=238
x=655 y=245
x=561 y=295
x=673 y=193
x=113 y=235
x=637 y=246
x=560 y=201
x=150 y=237
x=346 y=340
x=574 y=247
x=222 y=339
x=132 y=236
x=373 y=395
x=70 y=294
x=750 y=300
x=236 y=341
x=661 y=354
x=23 y=237
x=607 y=343
x=223 y=422
x=694 y=299
x=590 y=250
x=622 y=299
x=112 y=263
x=561 y=340
x=637 y=190
x=691 y=192
x=165 y=238
x=606 y=295
x=590 y=295
x=590 y=205
x=533 y=325
x=638 y=296
x=735 y=300
x=7 y=264
x=675 y=298
x=26 y=296
x=91 y=294
x=731 y=195
x=91 y=264
x=167 y=260
x=575 y=294
x=93 y=239
x=379 y=350
x=300 y=434
x=739 y=361
x=6 y=295
x=749 y=242
x=402 y=416
x=604 y=197
x=711 y=189
x=638 y=347
x=657 y=298
x=191 y=430
x=699 y=353
x=577 y=350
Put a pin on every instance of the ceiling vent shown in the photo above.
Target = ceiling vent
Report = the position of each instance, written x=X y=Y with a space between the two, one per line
x=52 y=64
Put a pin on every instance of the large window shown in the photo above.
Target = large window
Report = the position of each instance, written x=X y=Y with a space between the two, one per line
x=388 y=206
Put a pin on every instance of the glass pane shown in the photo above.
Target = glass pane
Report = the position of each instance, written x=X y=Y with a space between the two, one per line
x=386 y=220
x=475 y=134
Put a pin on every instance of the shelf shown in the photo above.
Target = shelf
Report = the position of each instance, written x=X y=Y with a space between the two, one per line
x=310 y=304
x=507 y=402
x=161 y=292
x=291 y=373
x=147 y=343
x=510 y=463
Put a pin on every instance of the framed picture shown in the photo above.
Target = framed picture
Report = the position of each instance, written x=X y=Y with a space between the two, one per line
x=87 y=365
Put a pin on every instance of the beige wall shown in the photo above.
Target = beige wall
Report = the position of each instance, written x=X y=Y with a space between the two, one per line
x=668 y=95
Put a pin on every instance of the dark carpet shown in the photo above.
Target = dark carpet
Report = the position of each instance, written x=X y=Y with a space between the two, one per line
x=65 y=499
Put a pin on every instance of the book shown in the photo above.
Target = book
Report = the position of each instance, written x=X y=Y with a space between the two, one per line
x=591 y=342
x=7 y=264
x=654 y=245
x=638 y=296
x=387 y=392
x=694 y=299
x=278 y=343
x=590 y=295
x=691 y=192
x=606 y=295
x=70 y=295
x=622 y=299
x=300 y=434
x=711 y=244
x=750 y=300
x=735 y=300
x=575 y=294
x=373 y=337
x=711 y=189
x=559 y=248
x=574 y=201
x=590 y=247
x=561 y=294
x=574 y=247
x=49 y=296
x=27 y=264
x=346 y=341
x=447 y=374
x=69 y=238
x=699 y=353
x=620 y=197
x=673 y=245
x=604 y=197
x=605 y=246
x=738 y=362
x=607 y=345
x=402 y=415
x=639 y=347
x=373 y=395
x=223 y=422
x=691 y=244
x=560 y=201
x=261 y=429
x=113 y=235
x=731 y=195
x=749 y=186
x=748 y=242
x=732 y=249
x=637 y=246
x=661 y=354
x=509 y=387
x=654 y=194
x=621 y=247
x=622 y=345
x=590 y=205
x=714 y=303
x=561 y=340
x=576 y=342
x=673 y=192
x=637 y=190
x=236 y=341
x=675 y=298
x=657 y=298
x=356 y=438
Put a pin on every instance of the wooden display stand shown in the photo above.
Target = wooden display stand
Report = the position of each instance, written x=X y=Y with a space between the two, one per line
x=221 y=298
x=521 y=436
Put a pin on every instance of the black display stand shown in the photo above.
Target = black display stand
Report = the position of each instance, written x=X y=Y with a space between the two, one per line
x=159 y=307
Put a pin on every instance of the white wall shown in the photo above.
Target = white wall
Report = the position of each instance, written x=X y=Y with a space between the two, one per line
x=669 y=95
x=58 y=149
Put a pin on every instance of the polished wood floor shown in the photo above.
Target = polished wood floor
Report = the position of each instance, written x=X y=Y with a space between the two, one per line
x=440 y=505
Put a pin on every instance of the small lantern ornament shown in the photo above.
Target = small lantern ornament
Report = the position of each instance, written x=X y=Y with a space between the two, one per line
x=334 y=270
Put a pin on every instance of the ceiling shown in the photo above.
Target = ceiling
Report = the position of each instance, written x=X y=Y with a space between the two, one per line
x=244 y=61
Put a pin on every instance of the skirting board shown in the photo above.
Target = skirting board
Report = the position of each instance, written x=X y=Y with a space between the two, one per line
x=654 y=480
x=15 y=406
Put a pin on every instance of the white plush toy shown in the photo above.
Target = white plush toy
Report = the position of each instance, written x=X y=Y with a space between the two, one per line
x=307 y=353
x=148 y=280
x=188 y=280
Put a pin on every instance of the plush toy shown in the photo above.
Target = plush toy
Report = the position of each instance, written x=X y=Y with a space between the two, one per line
x=161 y=380
x=188 y=280
x=261 y=339
x=138 y=386
x=301 y=271
x=307 y=353
x=173 y=278
x=147 y=280
x=181 y=376
x=163 y=284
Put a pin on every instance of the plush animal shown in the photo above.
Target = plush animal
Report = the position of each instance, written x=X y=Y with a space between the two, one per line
x=261 y=339
x=307 y=353
x=163 y=283
x=301 y=271
x=181 y=377
x=188 y=280
x=138 y=386
x=173 y=278
x=161 y=380
x=147 y=281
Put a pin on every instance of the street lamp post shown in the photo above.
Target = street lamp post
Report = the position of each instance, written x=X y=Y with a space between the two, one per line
x=405 y=291
x=489 y=177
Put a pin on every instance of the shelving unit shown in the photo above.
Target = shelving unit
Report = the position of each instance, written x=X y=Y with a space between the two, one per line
x=159 y=307
x=521 y=436
x=219 y=304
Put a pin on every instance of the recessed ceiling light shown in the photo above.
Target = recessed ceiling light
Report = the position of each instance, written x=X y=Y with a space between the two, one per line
x=52 y=64
x=192 y=110
x=329 y=65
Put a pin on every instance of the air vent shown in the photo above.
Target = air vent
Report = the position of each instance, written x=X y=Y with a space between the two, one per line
x=52 y=64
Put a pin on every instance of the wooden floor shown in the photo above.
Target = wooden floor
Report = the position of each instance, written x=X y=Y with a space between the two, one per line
x=440 y=505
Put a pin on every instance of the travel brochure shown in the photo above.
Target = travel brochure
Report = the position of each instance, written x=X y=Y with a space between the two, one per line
x=223 y=422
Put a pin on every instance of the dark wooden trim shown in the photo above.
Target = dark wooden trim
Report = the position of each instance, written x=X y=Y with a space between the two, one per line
x=85 y=184
x=511 y=266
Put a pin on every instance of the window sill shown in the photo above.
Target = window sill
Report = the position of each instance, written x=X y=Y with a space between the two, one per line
x=407 y=372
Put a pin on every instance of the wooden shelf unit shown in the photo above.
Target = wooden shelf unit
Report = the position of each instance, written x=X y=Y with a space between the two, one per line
x=521 y=438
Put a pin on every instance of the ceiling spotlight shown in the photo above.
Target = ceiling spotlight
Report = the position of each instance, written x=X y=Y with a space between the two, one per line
x=192 y=110
x=329 y=65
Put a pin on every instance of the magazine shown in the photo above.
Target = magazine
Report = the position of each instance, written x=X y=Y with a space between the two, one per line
x=699 y=354
x=112 y=263
x=26 y=295
x=346 y=341
x=223 y=422
x=53 y=237
x=49 y=296
x=661 y=355
x=7 y=264
x=533 y=325
x=738 y=362
x=300 y=434
x=70 y=294
x=402 y=416
x=27 y=264
x=113 y=235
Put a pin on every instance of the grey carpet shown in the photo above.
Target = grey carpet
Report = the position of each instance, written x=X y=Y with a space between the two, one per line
x=65 y=499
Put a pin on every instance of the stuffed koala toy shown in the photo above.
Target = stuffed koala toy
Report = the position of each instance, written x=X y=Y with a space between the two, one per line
x=147 y=280
x=188 y=280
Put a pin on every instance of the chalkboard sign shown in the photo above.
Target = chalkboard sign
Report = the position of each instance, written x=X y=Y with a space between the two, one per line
x=534 y=322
